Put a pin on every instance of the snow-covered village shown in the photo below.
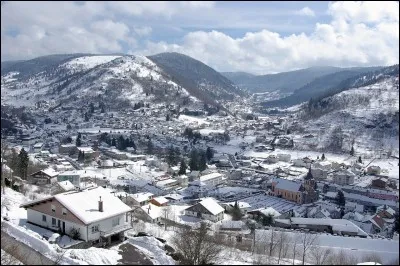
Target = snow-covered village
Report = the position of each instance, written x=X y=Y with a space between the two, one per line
x=121 y=157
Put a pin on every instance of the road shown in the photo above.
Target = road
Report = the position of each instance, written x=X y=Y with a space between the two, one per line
x=22 y=252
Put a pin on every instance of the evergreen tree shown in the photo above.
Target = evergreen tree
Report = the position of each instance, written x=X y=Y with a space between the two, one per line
x=194 y=158
x=182 y=168
x=121 y=143
x=340 y=199
x=91 y=108
x=171 y=156
x=23 y=161
x=359 y=159
x=86 y=117
x=202 y=165
x=114 y=142
x=267 y=220
x=78 y=140
x=325 y=188
x=352 y=151
x=236 y=213
x=209 y=154
x=323 y=157
x=167 y=118
x=150 y=147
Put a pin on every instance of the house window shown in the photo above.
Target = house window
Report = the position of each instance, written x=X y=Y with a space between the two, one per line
x=53 y=221
x=64 y=211
x=115 y=222
x=95 y=229
x=44 y=218
x=53 y=208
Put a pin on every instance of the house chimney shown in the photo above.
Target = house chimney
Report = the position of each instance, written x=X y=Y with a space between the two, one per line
x=100 y=205
x=148 y=209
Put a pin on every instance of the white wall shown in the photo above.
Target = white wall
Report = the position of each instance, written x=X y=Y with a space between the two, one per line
x=105 y=225
x=36 y=218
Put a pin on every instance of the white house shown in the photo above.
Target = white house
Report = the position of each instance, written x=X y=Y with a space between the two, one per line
x=150 y=213
x=142 y=198
x=95 y=214
x=207 y=209
x=343 y=178
x=212 y=179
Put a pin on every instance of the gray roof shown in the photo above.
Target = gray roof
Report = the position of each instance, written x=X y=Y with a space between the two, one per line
x=287 y=185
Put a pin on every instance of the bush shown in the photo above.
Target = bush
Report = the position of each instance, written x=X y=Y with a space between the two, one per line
x=74 y=233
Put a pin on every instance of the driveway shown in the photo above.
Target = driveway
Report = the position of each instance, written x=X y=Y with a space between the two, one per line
x=132 y=256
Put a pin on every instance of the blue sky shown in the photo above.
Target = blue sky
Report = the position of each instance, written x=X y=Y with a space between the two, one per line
x=251 y=36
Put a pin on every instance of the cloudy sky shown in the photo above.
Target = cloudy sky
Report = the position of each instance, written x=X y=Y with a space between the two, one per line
x=255 y=37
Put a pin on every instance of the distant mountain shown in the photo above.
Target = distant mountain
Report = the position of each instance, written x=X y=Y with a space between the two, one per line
x=286 y=82
x=321 y=85
x=238 y=77
x=200 y=80
x=115 y=80
x=36 y=65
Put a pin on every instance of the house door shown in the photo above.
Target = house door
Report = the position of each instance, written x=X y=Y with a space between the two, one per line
x=63 y=227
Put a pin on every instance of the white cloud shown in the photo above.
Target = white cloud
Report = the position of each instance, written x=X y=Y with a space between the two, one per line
x=44 y=28
x=143 y=31
x=365 y=11
x=306 y=11
x=360 y=33
x=341 y=43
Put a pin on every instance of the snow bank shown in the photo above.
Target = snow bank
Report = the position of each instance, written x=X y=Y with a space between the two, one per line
x=152 y=248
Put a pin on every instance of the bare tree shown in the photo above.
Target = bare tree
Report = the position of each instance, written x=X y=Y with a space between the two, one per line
x=273 y=241
x=394 y=261
x=342 y=258
x=320 y=256
x=295 y=239
x=282 y=246
x=307 y=240
x=197 y=246
x=373 y=257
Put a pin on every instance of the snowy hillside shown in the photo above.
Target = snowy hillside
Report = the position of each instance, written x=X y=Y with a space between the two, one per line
x=368 y=115
x=123 y=79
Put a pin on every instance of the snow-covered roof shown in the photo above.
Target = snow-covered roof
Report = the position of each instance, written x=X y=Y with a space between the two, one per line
x=142 y=196
x=166 y=182
x=241 y=204
x=287 y=185
x=174 y=196
x=212 y=206
x=152 y=210
x=210 y=176
x=388 y=209
x=50 y=172
x=85 y=149
x=331 y=194
x=337 y=224
x=270 y=211
x=66 y=185
x=161 y=200
x=84 y=204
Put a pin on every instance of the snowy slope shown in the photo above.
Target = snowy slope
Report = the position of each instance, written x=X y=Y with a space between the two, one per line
x=113 y=79
x=369 y=115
